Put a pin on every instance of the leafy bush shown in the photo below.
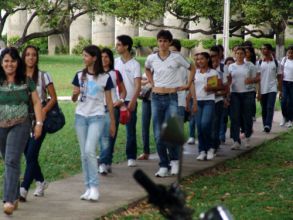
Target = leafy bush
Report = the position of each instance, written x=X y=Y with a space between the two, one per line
x=40 y=43
x=144 y=42
x=82 y=42
x=208 y=43
x=234 y=41
x=288 y=42
x=189 y=44
x=61 y=49
x=4 y=38
x=258 y=42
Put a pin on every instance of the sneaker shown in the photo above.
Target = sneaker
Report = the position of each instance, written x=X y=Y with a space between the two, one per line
x=211 y=154
x=103 y=169
x=289 y=124
x=22 y=194
x=202 y=155
x=191 y=140
x=162 y=172
x=235 y=145
x=143 y=156
x=174 y=167
x=246 y=142
x=40 y=188
x=85 y=196
x=131 y=163
x=283 y=122
x=267 y=129
x=94 y=194
x=109 y=168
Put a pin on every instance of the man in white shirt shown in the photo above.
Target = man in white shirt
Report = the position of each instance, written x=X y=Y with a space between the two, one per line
x=165 y=67
x=131 y=74
x=269 y=70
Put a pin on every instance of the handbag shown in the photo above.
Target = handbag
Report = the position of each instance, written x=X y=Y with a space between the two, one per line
x=55 y=119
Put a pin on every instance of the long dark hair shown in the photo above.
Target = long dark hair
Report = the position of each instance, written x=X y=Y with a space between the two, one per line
x=94 y=51
x=110 y=55
x=252 y=54
x=14 y=54
x=208 y=57
x=36 y=70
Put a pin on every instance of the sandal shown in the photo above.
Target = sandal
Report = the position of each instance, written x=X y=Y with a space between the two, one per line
x=143 y=157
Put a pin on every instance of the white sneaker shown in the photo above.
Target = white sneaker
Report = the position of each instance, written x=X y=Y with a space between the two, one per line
x=163 y=172
x=94 y=194
x=191 y=141
x=85 y=196
x=202 y=155
x=283 y=122
x=235 y=145
x=246 y=142
x=211 y=154
x=22 y=194
x=131 y=163
x=40 y=188
x=103 y=169
x=174 y=167
x=289 y=124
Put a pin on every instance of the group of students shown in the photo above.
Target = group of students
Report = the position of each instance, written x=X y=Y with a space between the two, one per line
x=210 y=91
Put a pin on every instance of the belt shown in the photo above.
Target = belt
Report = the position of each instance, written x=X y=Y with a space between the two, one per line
x=164 y=90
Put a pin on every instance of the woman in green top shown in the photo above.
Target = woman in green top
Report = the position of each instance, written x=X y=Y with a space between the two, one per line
x=14 y=121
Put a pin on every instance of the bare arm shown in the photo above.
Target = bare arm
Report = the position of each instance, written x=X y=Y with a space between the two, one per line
x=75 y=93
x=52 y=102
x=122 y=95
x=149 y=76
x=38 y=114
x=109 y=103
x=132 y=103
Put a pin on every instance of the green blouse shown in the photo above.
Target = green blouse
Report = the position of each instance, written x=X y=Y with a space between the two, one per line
x=14 y=102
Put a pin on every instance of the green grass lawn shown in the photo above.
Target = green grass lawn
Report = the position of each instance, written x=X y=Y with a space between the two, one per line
x=256 y=186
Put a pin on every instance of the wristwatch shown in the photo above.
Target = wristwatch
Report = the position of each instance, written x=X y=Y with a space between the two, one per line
x=39 y=123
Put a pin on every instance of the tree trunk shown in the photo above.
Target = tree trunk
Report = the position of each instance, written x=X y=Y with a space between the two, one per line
x=280 y=45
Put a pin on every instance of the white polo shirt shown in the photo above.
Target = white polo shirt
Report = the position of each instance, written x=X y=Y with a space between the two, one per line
x=239 y=73
x=287 y=66
x=268 y=76
x=129 y=71
x=223 y=77
x=165 y=72
x=200 y=81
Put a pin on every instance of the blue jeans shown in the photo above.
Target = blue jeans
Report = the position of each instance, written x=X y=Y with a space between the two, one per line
x=164 y=107
x=106 y=155
x=89 y=130
x=145 y=125
x=131 y=144
x=104 y=140
x=12 y=144
x=33 y=170
x=224 y=121
x=192 y=121
x=241 y=109
x=287 y=100
x=205 y=114
x=181 y=116
x=268 y=107
x=216 y=124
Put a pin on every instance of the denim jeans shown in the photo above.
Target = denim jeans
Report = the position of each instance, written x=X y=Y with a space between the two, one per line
x=268 y=107
x=216 y=124
x=131 y=144
x=104 y=140
x=241 y=109
x=287 y=100
x=164 y=107
x=33 y=170
x=106 y=155
x=145 y=125
x=192 y=121
x=89 y=130
x=205 y=114
x=224 y=121
x=181 y=116
x=12 y=144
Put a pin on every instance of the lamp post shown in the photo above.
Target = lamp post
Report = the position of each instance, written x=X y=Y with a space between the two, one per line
x=226 y=27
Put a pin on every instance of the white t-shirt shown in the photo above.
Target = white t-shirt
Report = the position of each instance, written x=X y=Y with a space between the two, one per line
x=287 y=66
x=166 y=71
x=129 y=71
x=223 y=77
x=239 y=73
x=42 y=89
x=91 y=100
x=200 y=80
x=268 y=76
x=114 y=91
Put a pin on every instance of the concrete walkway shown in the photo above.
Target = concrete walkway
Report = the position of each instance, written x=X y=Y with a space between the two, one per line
x=118 y=189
